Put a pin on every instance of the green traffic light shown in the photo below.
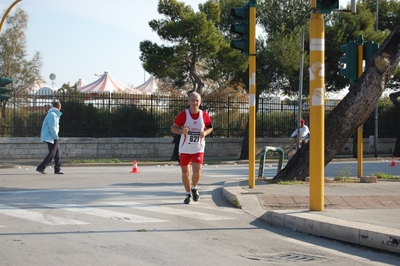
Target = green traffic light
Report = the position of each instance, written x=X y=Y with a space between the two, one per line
x=5 y=81
x=326 y=6
x=240 y=12
x=241 y=44
x=370 y=49
x=241 y=29
x=3 y=90
x=350 y=59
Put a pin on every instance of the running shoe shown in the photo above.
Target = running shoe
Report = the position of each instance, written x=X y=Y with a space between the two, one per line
x=187 y=199
x=195 y=194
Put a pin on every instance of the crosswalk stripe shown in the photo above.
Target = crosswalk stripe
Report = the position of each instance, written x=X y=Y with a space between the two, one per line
x=37 y=216
x=172 y=211
x=126 y=217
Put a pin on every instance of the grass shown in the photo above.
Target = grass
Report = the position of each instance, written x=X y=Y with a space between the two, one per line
x=381 y=175
x=236 y=203
x=291 y=182
x=282 y=182
x=343 y=180
x=97 y=161
x=343 y=174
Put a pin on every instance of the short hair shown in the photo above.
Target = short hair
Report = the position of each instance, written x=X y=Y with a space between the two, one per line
x=56 y=104
x=195 y=93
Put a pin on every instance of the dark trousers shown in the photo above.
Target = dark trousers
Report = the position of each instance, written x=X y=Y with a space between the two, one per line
x=175 y=153
x=54 y=153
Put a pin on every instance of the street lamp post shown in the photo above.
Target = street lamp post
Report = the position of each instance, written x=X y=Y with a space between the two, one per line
x=6 y=14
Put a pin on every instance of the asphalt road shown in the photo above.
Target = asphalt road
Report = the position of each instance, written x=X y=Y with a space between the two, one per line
x=109 y=216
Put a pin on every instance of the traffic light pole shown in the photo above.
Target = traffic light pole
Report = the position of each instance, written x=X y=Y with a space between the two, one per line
x=252 y=95
x=317 y=106
x=360 y=59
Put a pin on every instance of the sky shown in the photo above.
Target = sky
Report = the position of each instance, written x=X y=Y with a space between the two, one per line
x=84 y=38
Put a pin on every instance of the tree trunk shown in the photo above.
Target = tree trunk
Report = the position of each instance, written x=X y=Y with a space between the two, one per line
x=353 y=110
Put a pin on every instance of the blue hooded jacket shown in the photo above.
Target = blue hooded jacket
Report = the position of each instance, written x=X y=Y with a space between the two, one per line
x=50 y=126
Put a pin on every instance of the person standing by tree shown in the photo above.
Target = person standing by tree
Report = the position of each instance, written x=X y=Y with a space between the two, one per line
x=304 y=132
x=193 y=125
x=49 y=134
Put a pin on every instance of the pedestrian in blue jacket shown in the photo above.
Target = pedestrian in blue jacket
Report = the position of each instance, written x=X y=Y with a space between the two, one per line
x=49 y=134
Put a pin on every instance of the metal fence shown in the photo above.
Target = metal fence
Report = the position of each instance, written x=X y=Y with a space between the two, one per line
x=131 y=115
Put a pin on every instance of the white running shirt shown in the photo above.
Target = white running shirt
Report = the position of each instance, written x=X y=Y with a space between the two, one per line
x=192 y=143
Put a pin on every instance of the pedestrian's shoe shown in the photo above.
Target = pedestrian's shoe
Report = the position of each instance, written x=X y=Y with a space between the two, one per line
x=195 y=194
x=59 y=173
x=187 y=199
x=40 y=171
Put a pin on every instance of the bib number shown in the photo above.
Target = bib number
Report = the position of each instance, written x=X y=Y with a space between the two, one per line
x=194 y=137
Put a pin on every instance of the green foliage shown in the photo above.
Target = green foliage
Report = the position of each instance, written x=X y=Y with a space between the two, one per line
x=196 y=50
x=82 y=120
x=24 y=124
x=343 y=173
x=236 y=203
x=381 y=175
x=13 y=56
x=274 y=124
x=131 y=121
x=387 y=113
x=152 y=116
x=97 y=161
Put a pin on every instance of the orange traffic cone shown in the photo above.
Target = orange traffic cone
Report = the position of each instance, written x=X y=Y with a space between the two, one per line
x=135 y=169
x=393 y=163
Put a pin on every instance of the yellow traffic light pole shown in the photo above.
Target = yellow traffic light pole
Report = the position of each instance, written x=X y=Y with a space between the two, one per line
x=6 y=14
x=317 y=106
x=252 y=95
x=360 y=59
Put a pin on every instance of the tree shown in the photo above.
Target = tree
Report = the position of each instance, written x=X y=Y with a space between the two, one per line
x=278 y=52
x=353 y=110
x=197 y=52
x=13 y=62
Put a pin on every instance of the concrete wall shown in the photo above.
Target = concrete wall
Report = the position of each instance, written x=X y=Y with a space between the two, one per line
x=31 y=148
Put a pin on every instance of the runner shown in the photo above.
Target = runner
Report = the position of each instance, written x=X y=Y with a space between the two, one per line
x=193 y=125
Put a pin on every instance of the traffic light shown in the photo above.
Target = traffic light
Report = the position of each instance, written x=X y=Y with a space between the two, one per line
x=370 y=49
x=326 y=6
x=350 y=59
x=3 y=82
x=242 y=29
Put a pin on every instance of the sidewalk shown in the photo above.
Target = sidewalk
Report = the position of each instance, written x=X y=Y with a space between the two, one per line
x=366 y=214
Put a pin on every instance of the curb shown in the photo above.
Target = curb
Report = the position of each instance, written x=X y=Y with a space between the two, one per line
x=373 y=236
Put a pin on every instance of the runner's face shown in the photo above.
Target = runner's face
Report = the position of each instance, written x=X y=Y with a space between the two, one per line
x=194 y=102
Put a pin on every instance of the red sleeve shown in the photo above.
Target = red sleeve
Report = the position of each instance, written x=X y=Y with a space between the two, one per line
x=207 y=119
x=180 y=120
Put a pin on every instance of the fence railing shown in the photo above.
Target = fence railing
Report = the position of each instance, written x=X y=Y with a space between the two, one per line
x=131 y=115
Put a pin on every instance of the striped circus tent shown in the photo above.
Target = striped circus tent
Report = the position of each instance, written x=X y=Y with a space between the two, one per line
x=36 y=85
x=80 y=83
x=149 y=87
x=106 y=83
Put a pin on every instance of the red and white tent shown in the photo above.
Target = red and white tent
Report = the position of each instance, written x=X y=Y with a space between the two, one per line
x=36 y=85
x=106 y=83
x=149 y=87
x=80 y=83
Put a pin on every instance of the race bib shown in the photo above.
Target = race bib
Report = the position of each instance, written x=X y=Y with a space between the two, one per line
x=194 y=137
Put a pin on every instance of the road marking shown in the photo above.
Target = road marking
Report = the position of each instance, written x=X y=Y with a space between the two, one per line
x=171 y=211
x=120 y=216
x=36 y=216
